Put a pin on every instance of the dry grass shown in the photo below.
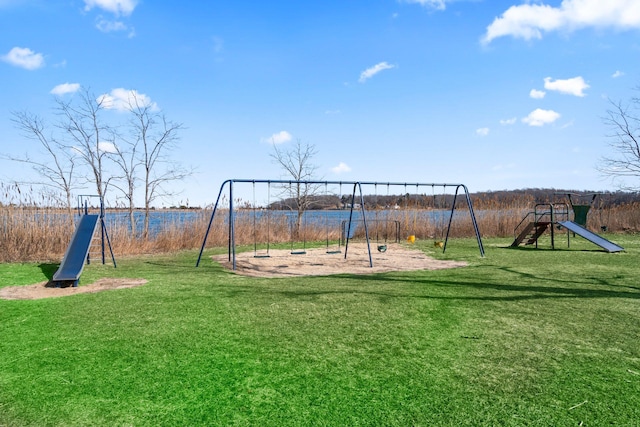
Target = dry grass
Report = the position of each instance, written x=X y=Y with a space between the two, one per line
x=32 y=234
x=35 y=229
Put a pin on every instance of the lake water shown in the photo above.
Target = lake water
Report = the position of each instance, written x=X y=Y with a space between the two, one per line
x=161 y=220
x=158 y=220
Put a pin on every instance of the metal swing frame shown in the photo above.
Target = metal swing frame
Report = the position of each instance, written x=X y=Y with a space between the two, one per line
x=357 y=189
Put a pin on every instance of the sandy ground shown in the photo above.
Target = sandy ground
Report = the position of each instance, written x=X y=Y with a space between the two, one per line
x=45 y=290
x=317 y=262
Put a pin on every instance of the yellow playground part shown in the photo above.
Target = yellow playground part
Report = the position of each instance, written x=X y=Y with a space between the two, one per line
x=411 y=239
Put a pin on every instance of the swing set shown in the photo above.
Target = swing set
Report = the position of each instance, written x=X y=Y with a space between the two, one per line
x=259 y=215
x=258 y=219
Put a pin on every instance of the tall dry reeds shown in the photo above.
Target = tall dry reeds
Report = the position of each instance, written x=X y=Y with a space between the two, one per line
x=28 y=234
x=622 y=218
x=35 y=228
x=32 y=224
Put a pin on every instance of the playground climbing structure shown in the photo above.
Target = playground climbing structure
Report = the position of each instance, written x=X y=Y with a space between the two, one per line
x=555 y=217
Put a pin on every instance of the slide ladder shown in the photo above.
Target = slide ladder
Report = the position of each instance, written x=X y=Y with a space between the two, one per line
x=530 y=233
x=74 y=259
x=591 y=236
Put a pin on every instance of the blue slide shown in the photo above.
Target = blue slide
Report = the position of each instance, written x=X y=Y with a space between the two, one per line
x=73 y=262
x=591 y=236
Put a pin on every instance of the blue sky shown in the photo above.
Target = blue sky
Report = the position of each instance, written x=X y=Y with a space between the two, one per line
x=493 y=94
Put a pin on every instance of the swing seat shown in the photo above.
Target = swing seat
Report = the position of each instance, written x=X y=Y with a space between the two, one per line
x=298 y=252
x=382 y=248
x=334 y=252
x=262 y=256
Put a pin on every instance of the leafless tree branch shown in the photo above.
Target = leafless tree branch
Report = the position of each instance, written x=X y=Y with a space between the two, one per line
x=298 y=165
x=57 y=171
x=624 y=162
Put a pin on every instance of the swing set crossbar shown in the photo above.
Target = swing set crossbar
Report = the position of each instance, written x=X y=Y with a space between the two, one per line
x=357 y=190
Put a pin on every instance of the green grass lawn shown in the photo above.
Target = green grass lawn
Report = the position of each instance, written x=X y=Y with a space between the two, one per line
x=521 y=337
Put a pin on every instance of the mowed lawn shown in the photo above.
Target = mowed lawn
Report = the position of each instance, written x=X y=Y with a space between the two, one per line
x=522 y=337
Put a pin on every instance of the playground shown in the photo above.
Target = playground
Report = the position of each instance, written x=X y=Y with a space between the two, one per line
x=372 y=224
x=373 y=218
x=362 y=328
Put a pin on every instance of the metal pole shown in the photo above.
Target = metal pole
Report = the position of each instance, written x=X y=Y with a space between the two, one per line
x=102 y=230
x=232 y=230
x=473 y=219
x=364 y=220
x=206 y=235
x=353 y=200
x=453 y=207
x=553 y=221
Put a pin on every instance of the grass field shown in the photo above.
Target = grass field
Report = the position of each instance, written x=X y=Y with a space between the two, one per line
x=521 y=337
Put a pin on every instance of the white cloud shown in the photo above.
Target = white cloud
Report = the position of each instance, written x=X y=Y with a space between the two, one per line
x=64 y=88
x=278 y=138
x=341 y=168
x=107 y=147
x=537 y=94
x=531 y=19
x=482 y=131
x=539 y=117
x=25 y=58
x=123 y=100
x=574 y=86
x=372 y=71
x=117 y=7
x=510 y=121
x=617 y=74
x=107 y=26
x=436 y=4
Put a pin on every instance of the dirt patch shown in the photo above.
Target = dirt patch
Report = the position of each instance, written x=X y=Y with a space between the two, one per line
x=45 y=290
x=317 y=262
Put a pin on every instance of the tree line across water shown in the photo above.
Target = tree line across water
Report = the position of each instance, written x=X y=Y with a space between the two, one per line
x=480 y=200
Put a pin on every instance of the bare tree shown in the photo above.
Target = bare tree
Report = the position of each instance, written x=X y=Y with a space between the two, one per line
x=624 y=121
x=155 y=138
x=297 y=163
x=88 y=135
x=57 y=171
x=86 y=139
x=126 y=159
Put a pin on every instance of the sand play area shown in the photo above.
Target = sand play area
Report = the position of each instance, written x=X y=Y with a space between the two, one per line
x=317 y=262
x=45 y=290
